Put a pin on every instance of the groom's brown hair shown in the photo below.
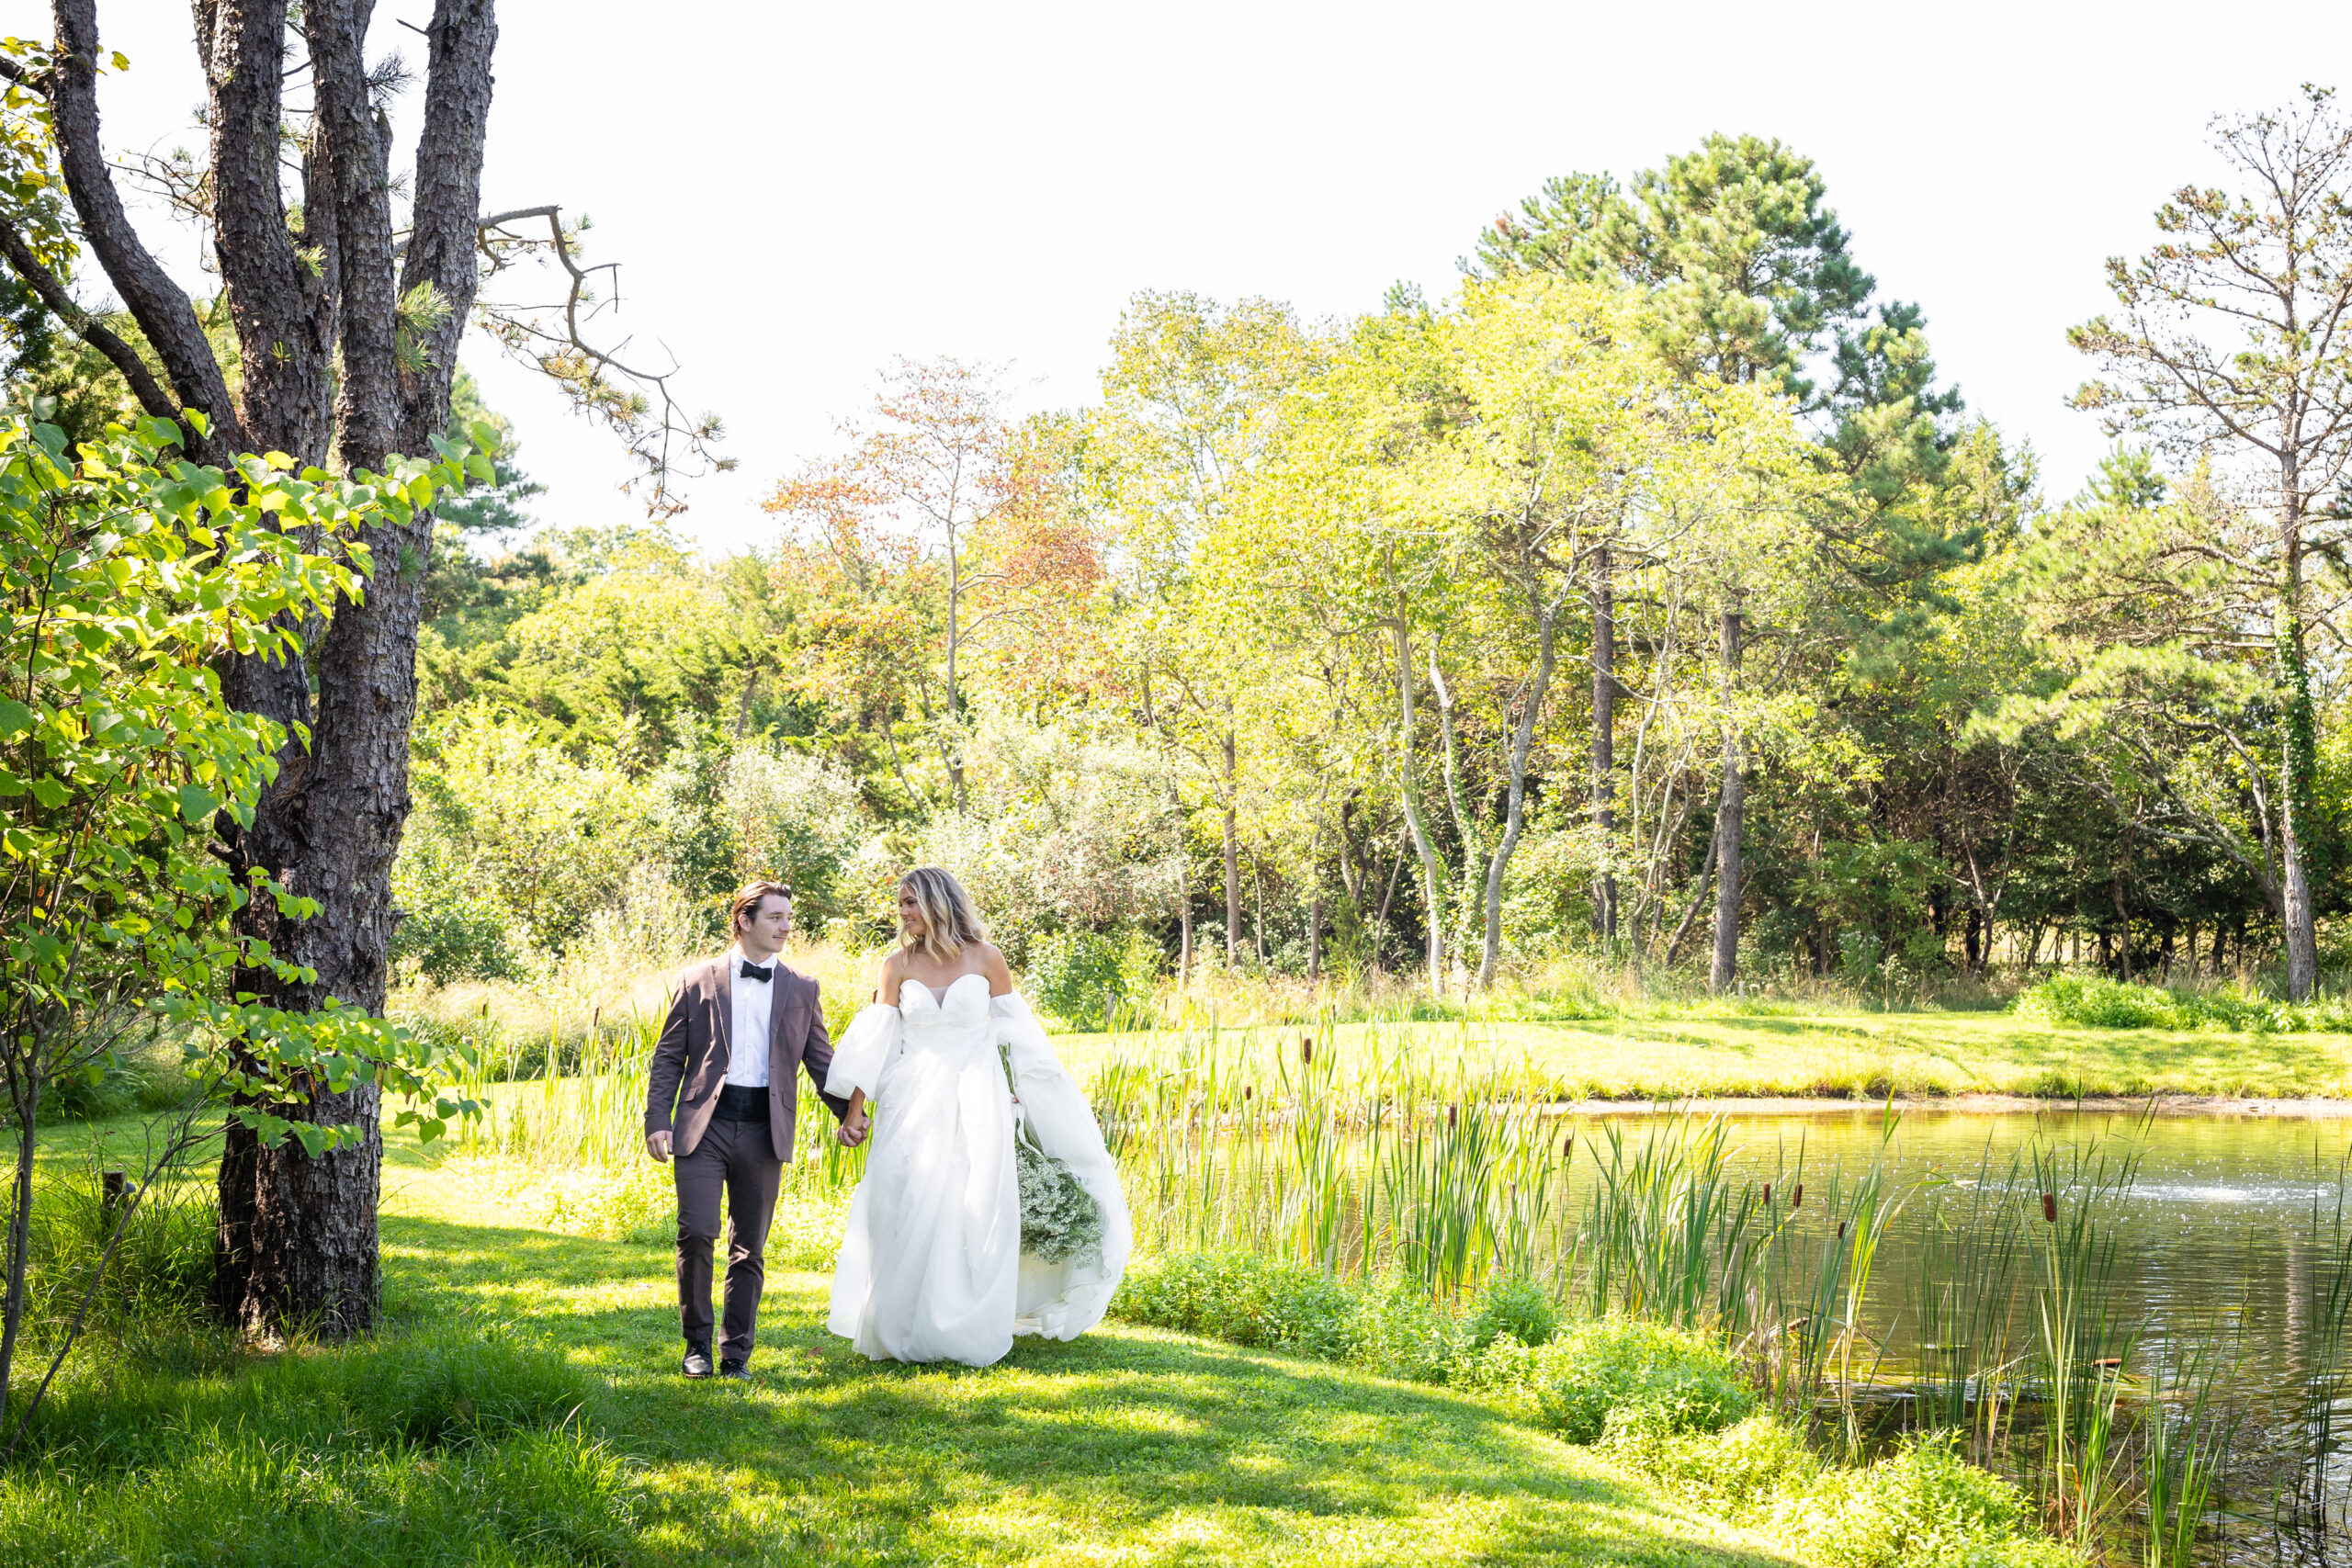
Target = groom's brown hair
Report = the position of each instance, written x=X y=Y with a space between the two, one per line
x=747 y=900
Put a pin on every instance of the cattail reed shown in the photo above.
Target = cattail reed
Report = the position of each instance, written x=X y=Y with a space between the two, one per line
x=2049 y=1208
x=1768 y=1194
x=1796 y=1198
x=1453 y=1117
x=1307 y=1049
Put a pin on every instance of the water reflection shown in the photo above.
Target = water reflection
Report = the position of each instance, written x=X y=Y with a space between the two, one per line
x=2224 y=1231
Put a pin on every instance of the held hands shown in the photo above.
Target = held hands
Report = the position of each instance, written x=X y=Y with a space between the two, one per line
x=658 y=1144
x=852 y=1129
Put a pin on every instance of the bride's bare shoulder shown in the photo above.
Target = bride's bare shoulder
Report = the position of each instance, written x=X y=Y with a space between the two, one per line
x=886 y=977
x=993 y=965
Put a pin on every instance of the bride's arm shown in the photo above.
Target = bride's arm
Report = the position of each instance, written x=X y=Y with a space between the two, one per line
x=992 y=964
x=886 y=978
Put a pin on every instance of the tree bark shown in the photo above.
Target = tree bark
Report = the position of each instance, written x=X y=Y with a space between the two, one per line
x=1539 y=687
x=1730 y=808
x=1232 y=865
x=155 y=302
x=1698 y=901
x=1603 y=602
x=2299 y=746
x=297 y=1239
x=1409 y=786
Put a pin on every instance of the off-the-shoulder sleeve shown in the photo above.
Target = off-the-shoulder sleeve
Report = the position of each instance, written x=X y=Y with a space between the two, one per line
x=1062 y=1301
x=865 y=1049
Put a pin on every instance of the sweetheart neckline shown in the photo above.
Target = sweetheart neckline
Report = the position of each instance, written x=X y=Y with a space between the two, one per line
x=937 y=996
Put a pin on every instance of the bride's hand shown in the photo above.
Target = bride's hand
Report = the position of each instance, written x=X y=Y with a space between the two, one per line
x=852 y=1131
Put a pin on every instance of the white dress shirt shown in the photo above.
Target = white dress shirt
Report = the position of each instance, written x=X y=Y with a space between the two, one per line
x=747 y=1041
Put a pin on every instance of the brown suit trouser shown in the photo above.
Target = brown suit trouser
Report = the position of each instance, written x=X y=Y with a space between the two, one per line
x=740 y=1157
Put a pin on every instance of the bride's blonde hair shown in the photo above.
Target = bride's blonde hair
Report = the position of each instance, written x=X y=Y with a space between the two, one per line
x=950 y=923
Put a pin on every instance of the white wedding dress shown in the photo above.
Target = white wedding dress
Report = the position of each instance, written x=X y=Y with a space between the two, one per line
x=931 y=1267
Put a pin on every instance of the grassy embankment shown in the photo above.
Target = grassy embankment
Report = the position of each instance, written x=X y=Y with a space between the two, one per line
x=1777 y=1050
x=1623 y=1048
x=455 y=1439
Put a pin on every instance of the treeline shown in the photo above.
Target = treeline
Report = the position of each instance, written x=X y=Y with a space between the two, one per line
x=1649 y=594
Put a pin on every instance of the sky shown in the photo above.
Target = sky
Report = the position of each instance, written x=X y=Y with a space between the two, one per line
x=798 y=193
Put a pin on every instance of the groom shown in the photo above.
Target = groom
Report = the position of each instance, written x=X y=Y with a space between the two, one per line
x=741 y=1024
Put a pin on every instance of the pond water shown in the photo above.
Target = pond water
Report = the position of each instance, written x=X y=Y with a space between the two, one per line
x=2225 y=1229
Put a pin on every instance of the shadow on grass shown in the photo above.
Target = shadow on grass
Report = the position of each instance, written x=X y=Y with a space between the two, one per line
x=1147 y=1446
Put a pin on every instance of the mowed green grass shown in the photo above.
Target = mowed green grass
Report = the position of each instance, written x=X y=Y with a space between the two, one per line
x=1725 y=1050
x=1128 y=1446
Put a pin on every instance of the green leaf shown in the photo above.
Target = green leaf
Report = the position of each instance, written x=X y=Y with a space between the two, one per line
x=50 y=793
x=16 y=719
x=197 y=803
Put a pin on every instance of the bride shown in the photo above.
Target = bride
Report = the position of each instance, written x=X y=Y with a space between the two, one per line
x=931 y=1267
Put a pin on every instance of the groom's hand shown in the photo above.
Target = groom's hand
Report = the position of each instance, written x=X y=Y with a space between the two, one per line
x=658 y=1144
x=852 y=1131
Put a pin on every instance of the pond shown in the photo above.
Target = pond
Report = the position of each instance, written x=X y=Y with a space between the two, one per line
x=2226 y=1240
x=2189 y=1254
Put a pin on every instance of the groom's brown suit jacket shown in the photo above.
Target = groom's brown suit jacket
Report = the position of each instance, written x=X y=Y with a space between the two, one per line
x=690 y=1062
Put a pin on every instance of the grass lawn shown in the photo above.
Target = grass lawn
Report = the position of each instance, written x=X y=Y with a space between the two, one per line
x=1127 y=1446
x=1770 y=1049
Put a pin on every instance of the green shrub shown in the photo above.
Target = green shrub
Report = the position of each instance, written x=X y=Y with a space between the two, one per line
x=1517 y=1307
x=447 y=934
x=1924 y=1507
x=1085 y=977
x=1684 y=1383
x=2099 y=1001
x=1398 y=1332
x=1244 y=1298
x=1738 y=1471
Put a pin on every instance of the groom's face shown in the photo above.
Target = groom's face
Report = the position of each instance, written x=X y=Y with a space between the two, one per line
x=764 y=929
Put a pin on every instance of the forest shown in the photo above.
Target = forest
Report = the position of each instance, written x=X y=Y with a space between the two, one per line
x=1648 y=599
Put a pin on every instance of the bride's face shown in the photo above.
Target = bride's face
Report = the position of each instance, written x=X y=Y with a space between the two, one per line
x=911 y=920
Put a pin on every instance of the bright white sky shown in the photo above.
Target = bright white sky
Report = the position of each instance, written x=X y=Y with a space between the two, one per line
x=798 y=192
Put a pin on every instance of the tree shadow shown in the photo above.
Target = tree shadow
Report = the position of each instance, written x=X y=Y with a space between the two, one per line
x=1152 y=1446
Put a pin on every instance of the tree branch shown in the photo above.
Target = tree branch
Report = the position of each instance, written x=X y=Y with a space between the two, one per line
x=160 y=307
x=121 y=354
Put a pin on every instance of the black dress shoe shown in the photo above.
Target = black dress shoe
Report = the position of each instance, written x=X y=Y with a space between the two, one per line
x=697 y=1364
x=735 y=1369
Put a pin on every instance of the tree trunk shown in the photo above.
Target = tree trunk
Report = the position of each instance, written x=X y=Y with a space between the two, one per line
x=1604 y=740
x=1232 y=865
x=1314 y=914
x=1730 y=809
x=2299 y=761
x=1698 y=902
x=1466 y=827
x=2123 y=920
x=1409 y=789
x=298 y=1241
x=1184 y=926
x=1539 y=686
x=21 y=1214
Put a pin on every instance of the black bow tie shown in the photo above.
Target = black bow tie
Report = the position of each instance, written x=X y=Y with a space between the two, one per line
x=752 y=971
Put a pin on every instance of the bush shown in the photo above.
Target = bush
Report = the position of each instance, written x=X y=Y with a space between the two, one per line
x=1243 y=1299
x=1082 y=976
x=1925 y=1507
x=1679 y=1381
x=1516 y=1307
x=2099 y=1001
x=1738 y=1471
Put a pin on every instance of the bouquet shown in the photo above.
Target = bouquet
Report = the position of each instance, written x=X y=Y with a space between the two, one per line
x=1059 y=1218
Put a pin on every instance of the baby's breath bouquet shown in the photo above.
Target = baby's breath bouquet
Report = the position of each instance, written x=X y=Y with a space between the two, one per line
x=1059 y=1218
